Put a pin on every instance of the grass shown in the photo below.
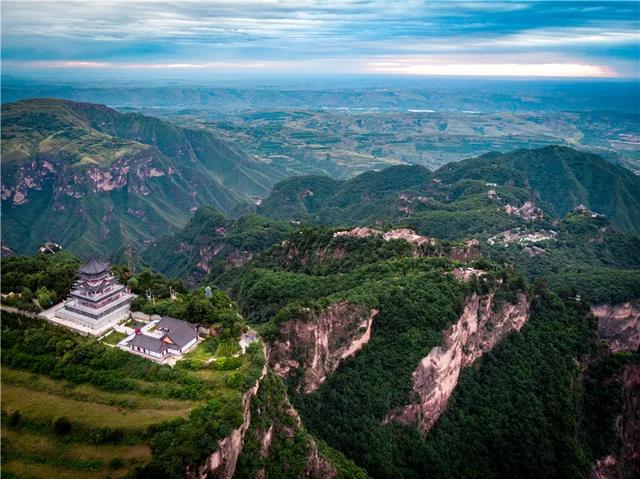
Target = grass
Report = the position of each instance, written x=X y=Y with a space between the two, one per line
x=44 y=456
x=45 y=406
x=114 y=338
x=90 y=394
x=25 y=470
x=202 y=352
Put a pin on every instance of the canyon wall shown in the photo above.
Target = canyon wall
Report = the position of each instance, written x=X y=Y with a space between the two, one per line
x=619 y=325
x=480 y=327
x=316 y=342
x=625 y=463
x=221 y=464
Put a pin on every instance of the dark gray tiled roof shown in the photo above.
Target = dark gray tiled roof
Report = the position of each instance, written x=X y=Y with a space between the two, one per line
x=94 y=267
x=180 y=332
x=148 y=342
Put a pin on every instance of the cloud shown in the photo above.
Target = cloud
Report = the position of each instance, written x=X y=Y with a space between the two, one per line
x=190 y=34
x=573 y=70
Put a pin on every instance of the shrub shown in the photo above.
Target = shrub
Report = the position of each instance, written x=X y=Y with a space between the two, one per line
x=62 y=426
x=15 y=419
x=116 y=463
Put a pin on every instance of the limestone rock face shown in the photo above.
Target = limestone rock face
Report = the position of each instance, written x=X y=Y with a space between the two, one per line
x=222 y=463
x=528 y=211
x=476 y=332
x=626 y=462
x=316 y=343
x=69 y=180
x=619 y=325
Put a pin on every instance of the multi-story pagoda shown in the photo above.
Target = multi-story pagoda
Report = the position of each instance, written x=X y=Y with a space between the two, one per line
x=97 y=301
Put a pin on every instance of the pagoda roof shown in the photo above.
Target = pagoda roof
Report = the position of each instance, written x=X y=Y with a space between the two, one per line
x=94 y=267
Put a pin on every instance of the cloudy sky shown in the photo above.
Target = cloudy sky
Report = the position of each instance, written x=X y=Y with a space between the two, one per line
x=529 y=39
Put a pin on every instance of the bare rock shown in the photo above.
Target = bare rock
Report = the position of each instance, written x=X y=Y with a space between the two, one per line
x=316 y=343
x=619 y=325
x=477 y=331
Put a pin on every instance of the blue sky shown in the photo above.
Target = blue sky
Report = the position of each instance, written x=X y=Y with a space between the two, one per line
x=510 y=38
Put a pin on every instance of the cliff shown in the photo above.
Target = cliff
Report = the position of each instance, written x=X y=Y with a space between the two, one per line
x=619 y=325
x=278 y=445
x=480 y=327
x=316 y=343
x=120 y=179
x=626 y=462
x=222 y=463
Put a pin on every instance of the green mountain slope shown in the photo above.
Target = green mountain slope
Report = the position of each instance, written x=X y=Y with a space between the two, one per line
x=563 y=179
x=454 y=201
x=92 y=178
x=213 y=244
x=525 y=399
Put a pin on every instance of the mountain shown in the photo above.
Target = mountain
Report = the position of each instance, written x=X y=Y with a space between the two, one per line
x=464 y=198
x=93 y=179
x=563 y=178
x=415 y=364
x=471 y=352
x=212 y=244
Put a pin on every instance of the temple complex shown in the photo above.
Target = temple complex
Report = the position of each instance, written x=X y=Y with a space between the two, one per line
x=96 y=303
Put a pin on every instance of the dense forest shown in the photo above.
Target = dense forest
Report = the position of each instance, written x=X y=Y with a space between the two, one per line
x=546 y=400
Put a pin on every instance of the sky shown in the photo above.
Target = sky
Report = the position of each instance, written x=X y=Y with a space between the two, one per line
x=413 y=38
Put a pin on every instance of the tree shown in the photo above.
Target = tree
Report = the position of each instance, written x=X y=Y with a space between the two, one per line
x=45 y=297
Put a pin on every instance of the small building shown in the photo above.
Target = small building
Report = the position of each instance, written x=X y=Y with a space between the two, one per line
x=167 y=336
x=96 y=303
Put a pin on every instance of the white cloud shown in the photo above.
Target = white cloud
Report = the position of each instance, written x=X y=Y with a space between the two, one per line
x=492 y=69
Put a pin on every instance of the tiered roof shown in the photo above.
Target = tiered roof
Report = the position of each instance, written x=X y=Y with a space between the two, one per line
x=94 y=267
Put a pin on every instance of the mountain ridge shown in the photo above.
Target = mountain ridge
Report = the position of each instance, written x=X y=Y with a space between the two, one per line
x=128 y=177
x=579 y=178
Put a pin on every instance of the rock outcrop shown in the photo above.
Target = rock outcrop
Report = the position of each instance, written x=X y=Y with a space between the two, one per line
x=619 y=325
x=527 y=211
x=469 y=252
x=277 y=441
x=626 y=462
x=316 y=342
x=222 y=463
x=478 y=330
x=406 y=234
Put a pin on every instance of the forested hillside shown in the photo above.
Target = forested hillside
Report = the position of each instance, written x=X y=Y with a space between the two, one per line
x=93 y=179
x=562 y=178
x=454 y=200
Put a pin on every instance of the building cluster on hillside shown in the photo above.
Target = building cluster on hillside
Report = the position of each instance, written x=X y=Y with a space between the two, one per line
x=98 y=304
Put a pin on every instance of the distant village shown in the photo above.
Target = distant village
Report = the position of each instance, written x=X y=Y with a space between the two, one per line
x=99 y=305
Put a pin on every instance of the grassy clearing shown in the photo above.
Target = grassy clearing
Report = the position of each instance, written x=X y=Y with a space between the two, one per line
x=39 y=455
x=46 y=406
x=88 y=393
x=202 y=352
x=24 y=470
x=114 y=338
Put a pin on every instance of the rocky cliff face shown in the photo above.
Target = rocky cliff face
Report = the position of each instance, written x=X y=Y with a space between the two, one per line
x=315 y=465
x=619 y=325
x=477 y=331
x=222 y=463
x=277 y=444
x=626 y=462
x=77 y=180
x=88 y=160
x=316 y=343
